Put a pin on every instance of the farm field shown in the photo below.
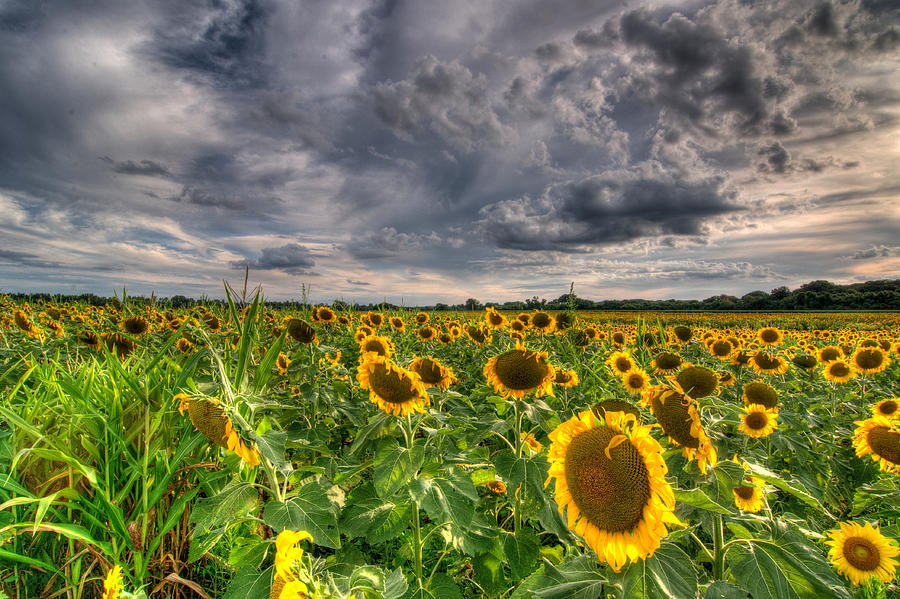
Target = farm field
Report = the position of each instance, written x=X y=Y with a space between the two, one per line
x=237 y=451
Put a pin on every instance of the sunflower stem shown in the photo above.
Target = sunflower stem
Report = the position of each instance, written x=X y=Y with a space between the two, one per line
x=718 y=548
x=517 y=516
x=417 y=543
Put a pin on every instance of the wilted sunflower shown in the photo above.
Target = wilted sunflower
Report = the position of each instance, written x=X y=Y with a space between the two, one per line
x=830 y=353
x=394 y=389
x=531 y=442
x=212 y=322
x=426 y=333
x=770 y=336
x=839 y=371
x=611 y=485
x=210 y=418
x=432 y=373
x=878 y=436
x=635 y=381
x=566 y=378
x=25 y=325
x=696 y=381
x=496 y=487
x=135 y=325
x=768 y=363
x=519 y=371
x=382 y=346
x=620 y=363
x=579 y=338
x=494 y=319
x=887 y=408
x=677 y=415
x=301 y=331
x=869 y=360
x=397 y=323
x=760 y=393
x=862 y=552
x=666 y=362
x=759 y=421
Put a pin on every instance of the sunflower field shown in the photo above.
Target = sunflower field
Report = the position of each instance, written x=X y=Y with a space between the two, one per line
x=237 y=451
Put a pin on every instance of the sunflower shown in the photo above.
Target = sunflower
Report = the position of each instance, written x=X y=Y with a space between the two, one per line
x=112 y=584
x=869 y=360
x=839 y=371
x=721 y=348
x=287 y=551
x=118 y=344
x=382 y=346
x=433 y=373
x=566 y=378
x=543 y=322
x=740 y=358
x=531 y=443
x=524 y=318
x=862 y=552
x=282 y=363
x=770 y=336
x=301 y=331
x=635 y=381
x=830 y=353
x=726 y=379
x=696 y=382
x=618 y=338
x=804 y=361
x=477 y=334
x=324 y=314
x=759 y=421
x=210 y=418
x=768 y=363
x=90 y=339
x=879 y=437
x=212 y=323
x=611 y=485
x=421 y=318
x=615 y=405
x=394 y=389
x=749 y=498
x=496 y=487
x=620 y=363
x=678 y=417
x=760 y=393
x=344 y=321
x=135 y=325
x=578 y=338
x=25 y=325
x=445 y=338
x=494 y=319
x=887 y=408
x=397 y=323
x=683 y=333
x=184 y=345
x=519 y=371
x=362 y=332
x=666 y=362
x=375 y=319
x=517 y=326
x=426 y=333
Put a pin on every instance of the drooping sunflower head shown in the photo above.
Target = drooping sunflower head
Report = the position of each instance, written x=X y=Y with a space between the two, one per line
x=90 y=339
x=768 y=363
x=432 y=373
x=281 y=363
x=394 y=389
x=377 y=344
x=496 y=487
x=184 y=345
x=878 y=436
x=869 y=360
x=610 y=485
x=696 y=381
x=839 y=371
x=804 y=361
x=615 y=405
x=677 y=415
x=119 y=344
x=212 y=322
x=135 y=325
x=519 y=371
x=210 y=418
x=862 y=552
x=770 y=336
x=566 y=378
x=666 y=362
x=758 y=421
x=301 y=331
x=564 y=321
x=760 y=393
x=579 y=338
x=740 y=358
x=726 y=378
x=620 y=363
x=635 y=381
x=889 y=408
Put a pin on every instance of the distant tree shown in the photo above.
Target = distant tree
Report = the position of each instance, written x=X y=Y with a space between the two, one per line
x=472 y=304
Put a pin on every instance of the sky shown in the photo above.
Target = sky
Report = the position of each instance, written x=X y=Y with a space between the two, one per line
x=420 y=152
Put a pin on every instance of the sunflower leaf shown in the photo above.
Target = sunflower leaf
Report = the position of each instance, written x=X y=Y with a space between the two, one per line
x=667 y=574
x=577 y=579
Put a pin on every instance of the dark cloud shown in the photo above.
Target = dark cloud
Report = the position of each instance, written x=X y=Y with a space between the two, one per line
x=607 y=209
x=358 y=283
x=144 y=167
x=23 y=259
x=291 y=258
x=876 y=251
x=387 y=242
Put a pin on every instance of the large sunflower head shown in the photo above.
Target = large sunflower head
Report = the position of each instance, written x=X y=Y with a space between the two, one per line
x=397 y=323
x=696 y=381
x=210 y=418
x=395 y=390
x=683 y=333
x=678 y=417
x=839 y=371
x=375 y=319
x=421 y=318
x=758 y=421
x=519 y=371
x=517 y=326
x=432 y=373
x=666 y=362
x=620 y=362
x=889 y=408
x=301 y=331
x=721 y=348
x=878 y=436
x=611 y=486
x=543 y=322
x=760 y=393
x=324 y=314
x=770 y=336
x=619 y=339
x=862 y=552
x=377 y=344
x=869 y=360
x=426 y=333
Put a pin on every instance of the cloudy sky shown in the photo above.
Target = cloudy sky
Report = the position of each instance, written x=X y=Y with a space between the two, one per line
x=423 y=151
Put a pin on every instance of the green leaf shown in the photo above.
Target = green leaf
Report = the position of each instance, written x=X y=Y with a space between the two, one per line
x=249 y=583
x=271 y=446
x=248 y=551
x=791 y=486
x=488 y=572
x=368 y=577
x=395 y=585
x=24 y=559
x=530 y=473
x=521 y=551
x=577 y=579
x=444 y=587
x=235 y=500
x=786 y=567
x=395 y=466
x=452 y=498
x=476 y=538
x=309 y=510
x=667 y=574
x=725 y=590
x=699 y=499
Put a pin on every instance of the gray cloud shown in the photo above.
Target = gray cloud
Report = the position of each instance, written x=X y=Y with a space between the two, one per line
x=876 y=251
x=144 y=167
x=387 y=242
x=291 y=258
